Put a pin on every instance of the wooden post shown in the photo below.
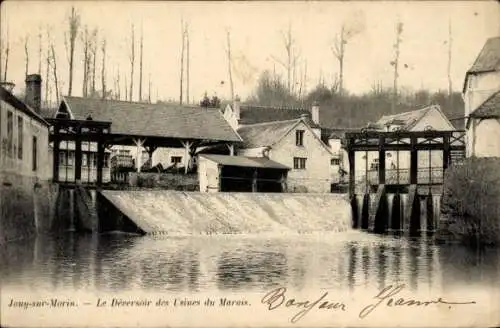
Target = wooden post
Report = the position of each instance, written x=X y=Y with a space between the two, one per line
x=446 y=153
x=254 y=181
x=187 y=147
x=78 y=155
x=231 y=149
x=55 y=157
x=381 y=160
x=138 y=157
x=100 y=161
x=351 y=157
x=413 y=161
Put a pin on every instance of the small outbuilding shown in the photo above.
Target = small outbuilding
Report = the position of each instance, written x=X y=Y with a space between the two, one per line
x=222 y=173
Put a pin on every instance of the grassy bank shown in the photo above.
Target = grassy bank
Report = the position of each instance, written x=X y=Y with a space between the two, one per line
x=472 y=201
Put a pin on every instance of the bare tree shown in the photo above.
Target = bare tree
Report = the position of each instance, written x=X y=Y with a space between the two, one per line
x=339 y=49
x=229 y=64
x=450 y=42
x=183 y=33
x=26 y=55
x=86 y=59
x=7 y=49
x=132 y=61
x=125 y=87
x=93 y=53
x=140 y=64
x=149 y=91
x=54 y=67
x=291 y=56
x=187 y=63
x=395 y=63
x=74 y=25
x=103 y=69
x=40 y=51
x=47 y=70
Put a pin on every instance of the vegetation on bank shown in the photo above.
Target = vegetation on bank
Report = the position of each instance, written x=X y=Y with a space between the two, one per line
x=471 y=201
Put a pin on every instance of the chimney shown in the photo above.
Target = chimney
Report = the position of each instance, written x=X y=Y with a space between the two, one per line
x=34 y=92
x=236 y=107
x=315 y=112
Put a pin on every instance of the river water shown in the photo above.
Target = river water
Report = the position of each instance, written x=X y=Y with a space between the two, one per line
x=343 y=263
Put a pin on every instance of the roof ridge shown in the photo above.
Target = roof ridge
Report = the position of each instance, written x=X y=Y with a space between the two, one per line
x=137 y=102
x=274 y=107
x=271 y=123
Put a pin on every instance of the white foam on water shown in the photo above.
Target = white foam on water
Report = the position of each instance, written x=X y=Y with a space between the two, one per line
x=191 y=213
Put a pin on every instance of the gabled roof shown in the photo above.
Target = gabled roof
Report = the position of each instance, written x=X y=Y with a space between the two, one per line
x=270 y=133
x=339 y=133
x=265 y=134
x=154 y=120
x=242 y=161
x=490 y=108
x=406 y=120
x=250 y=114
x=15 y=102
x=489 y=58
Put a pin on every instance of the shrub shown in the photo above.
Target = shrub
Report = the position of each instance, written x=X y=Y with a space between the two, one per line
x=471 y=200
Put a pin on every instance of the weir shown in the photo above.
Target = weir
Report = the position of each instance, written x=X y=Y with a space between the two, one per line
x=407 y=197
x=193 y=213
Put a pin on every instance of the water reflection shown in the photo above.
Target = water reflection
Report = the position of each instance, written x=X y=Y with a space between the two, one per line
x=343 y=260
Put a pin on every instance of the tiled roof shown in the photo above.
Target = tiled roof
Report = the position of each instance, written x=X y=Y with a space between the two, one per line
x=259 y=114
x=490 y=108
x=155 y=120
x=489 y=57
x=406 y=120
x=257 y=162
x=15 y=102
x=338 y=133
x=265 y=134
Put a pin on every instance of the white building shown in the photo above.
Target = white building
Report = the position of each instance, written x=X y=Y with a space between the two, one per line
x=481 y=93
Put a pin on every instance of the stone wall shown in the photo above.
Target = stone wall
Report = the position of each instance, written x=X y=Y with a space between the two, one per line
x=27 y=206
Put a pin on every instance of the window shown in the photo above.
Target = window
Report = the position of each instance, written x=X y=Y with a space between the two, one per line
x=335 y=161
x=84 y=159
x=94 y=159
x=62 y=158
x=20 y=137
x=35 y=153
x=10 y=132
x=299 y=137
x=70 y=158
x=175 y=159
x=299 y=163
x=106 y=159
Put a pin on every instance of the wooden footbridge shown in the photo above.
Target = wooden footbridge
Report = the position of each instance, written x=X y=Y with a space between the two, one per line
x=393 y=199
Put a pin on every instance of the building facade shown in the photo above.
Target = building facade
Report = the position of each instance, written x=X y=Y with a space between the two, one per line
x=25 y=163
x=482 y=102
x=295 y=144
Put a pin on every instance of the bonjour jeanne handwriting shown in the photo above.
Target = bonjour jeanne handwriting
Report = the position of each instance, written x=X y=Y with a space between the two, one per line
x=277 y=297
x=387 y=297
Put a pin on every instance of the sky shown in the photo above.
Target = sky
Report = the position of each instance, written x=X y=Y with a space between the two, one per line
x=256 y=29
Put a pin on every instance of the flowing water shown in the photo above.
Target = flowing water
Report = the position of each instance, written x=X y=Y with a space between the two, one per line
x=343 y=262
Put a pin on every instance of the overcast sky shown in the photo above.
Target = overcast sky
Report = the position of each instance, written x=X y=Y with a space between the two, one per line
x=256 y=29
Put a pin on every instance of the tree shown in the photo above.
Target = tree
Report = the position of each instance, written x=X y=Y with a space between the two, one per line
x=86 y=60
x=187 y=63
x=93 y=53
x=26 y=55
x=103 y=68
x=229 y=63
x=74 y=25
x=292 y=56
x=183 y=36
x=339 y=48
x=54 y=67
x=40 y=52
x=140 y=65
x=395 y=63
x=132 y=61
x=450 y=42
x=5 y=45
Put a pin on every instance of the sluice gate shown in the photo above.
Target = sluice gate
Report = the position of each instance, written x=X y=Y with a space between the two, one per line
x=400 y=190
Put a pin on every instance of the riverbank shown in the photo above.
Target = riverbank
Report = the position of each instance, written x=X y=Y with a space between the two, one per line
x=471 y=202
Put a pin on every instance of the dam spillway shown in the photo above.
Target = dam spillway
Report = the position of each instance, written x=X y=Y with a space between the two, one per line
x=194 y=213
